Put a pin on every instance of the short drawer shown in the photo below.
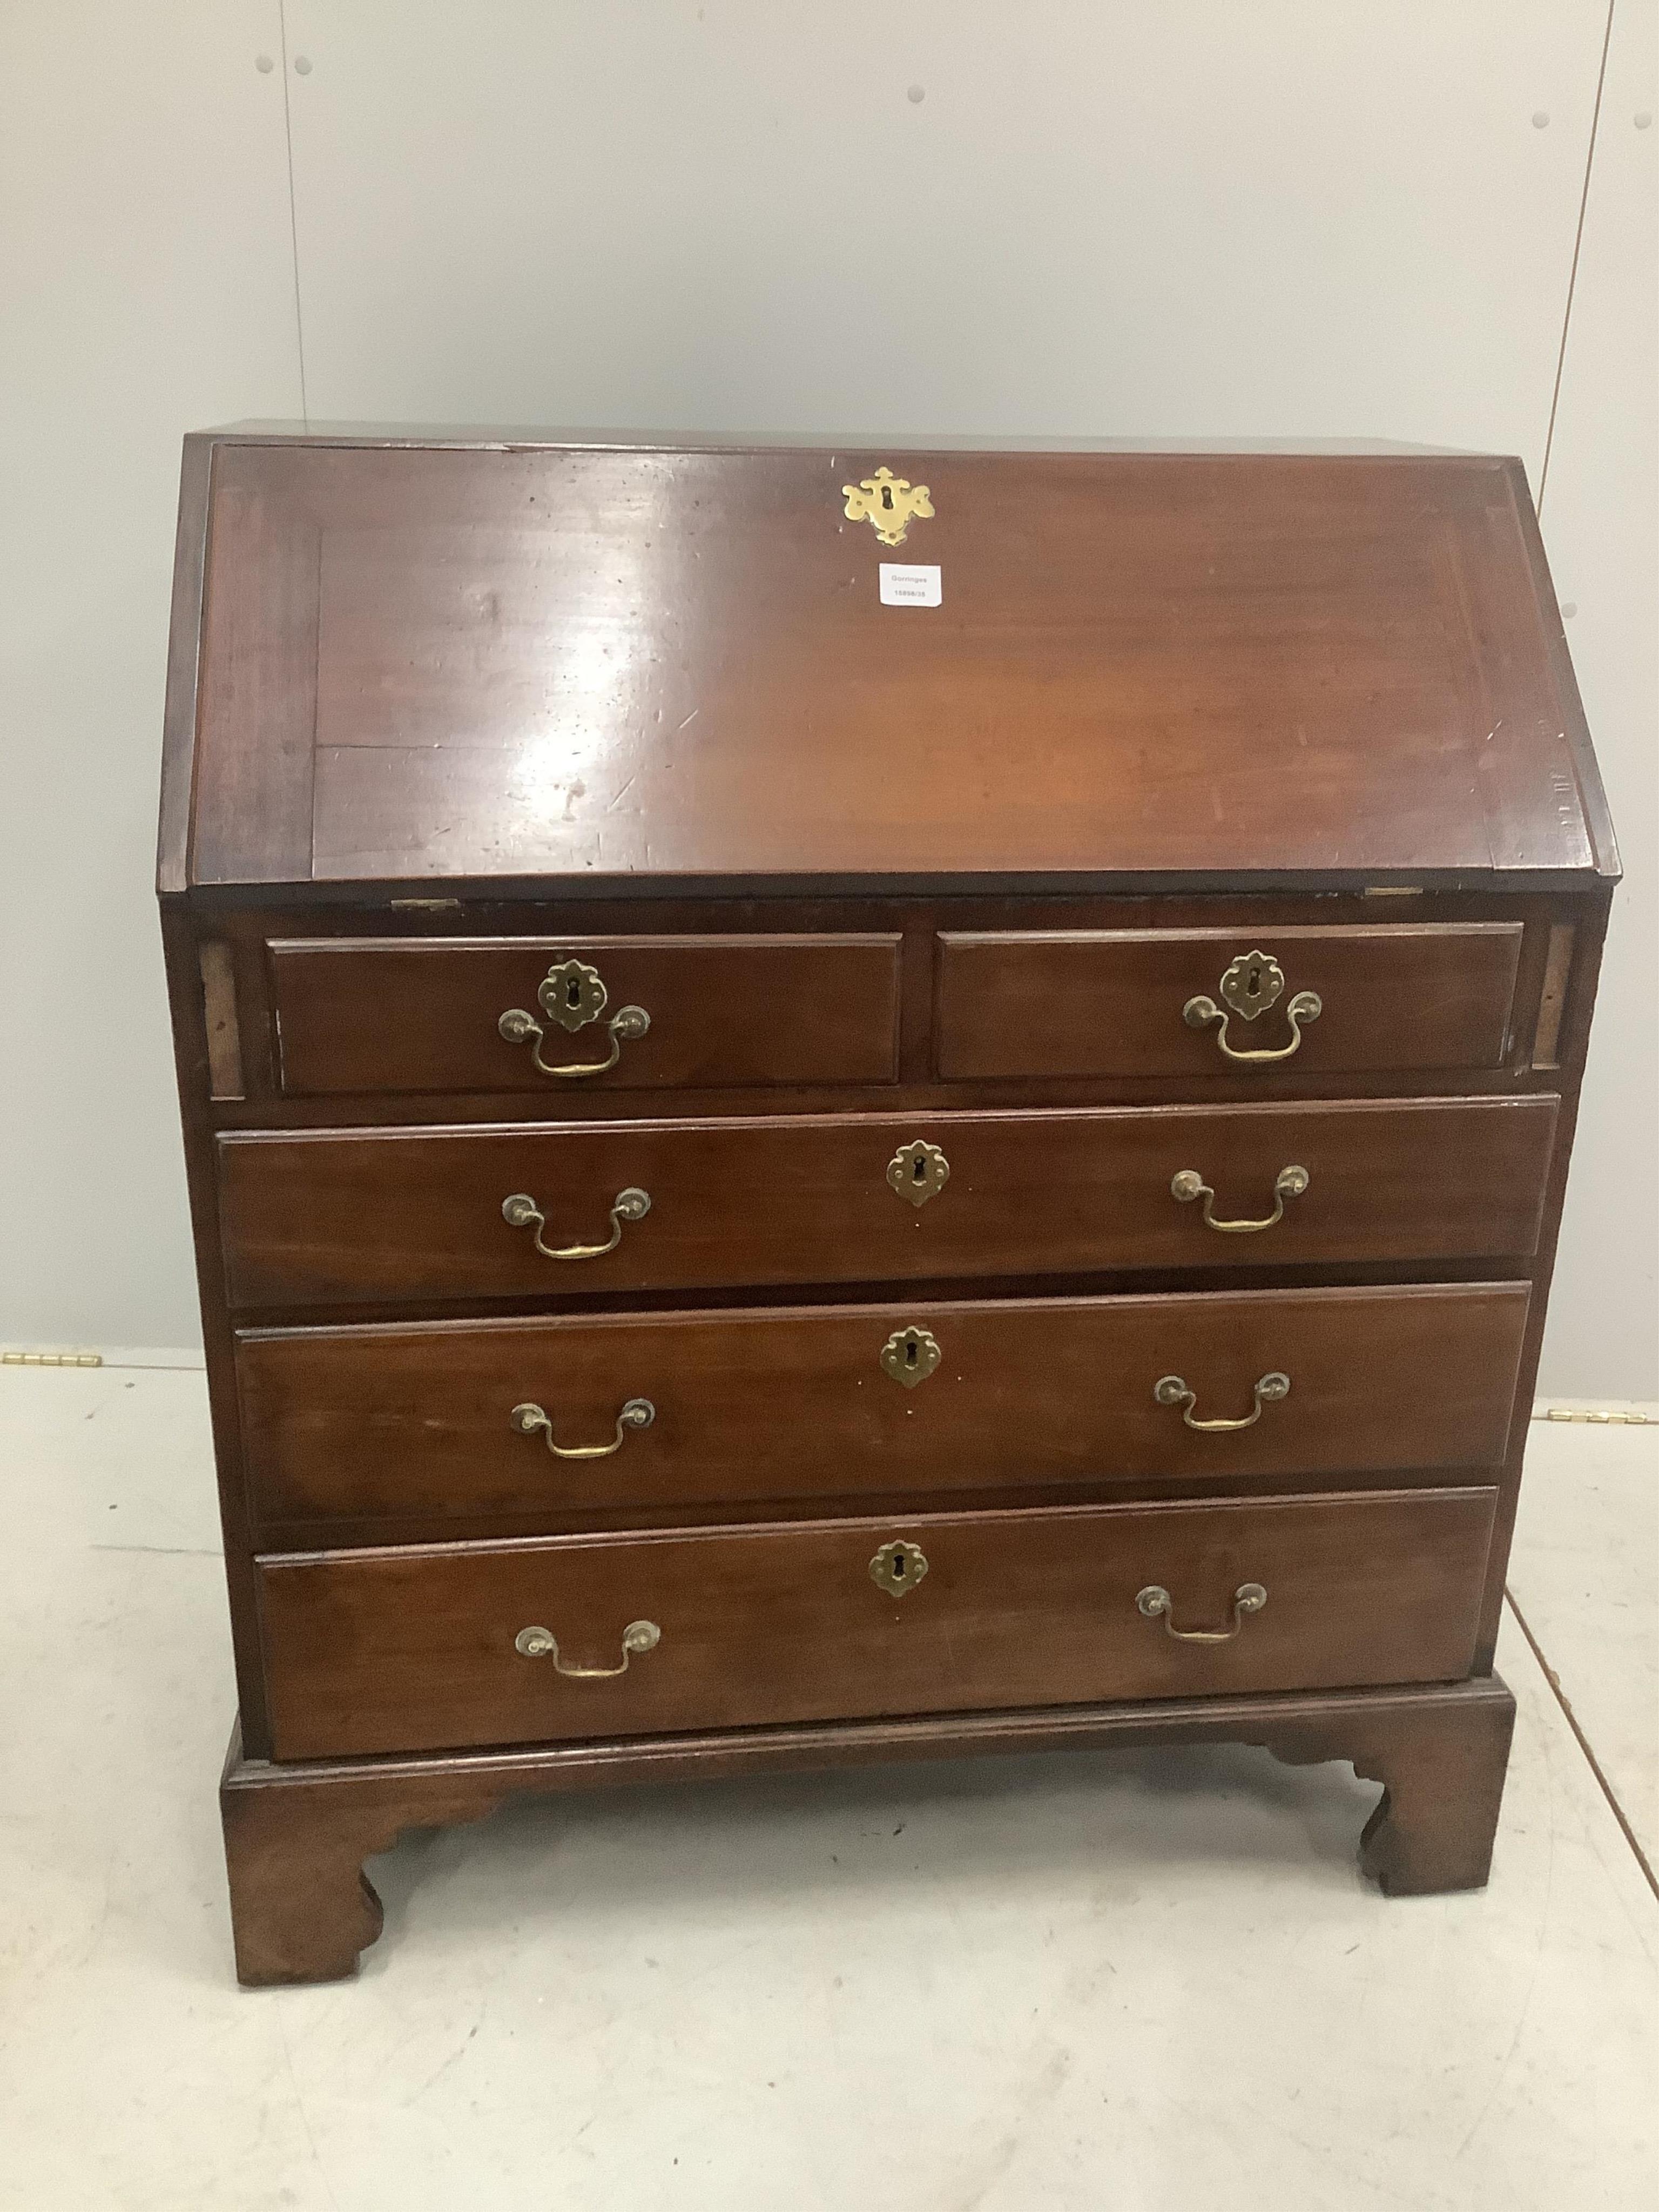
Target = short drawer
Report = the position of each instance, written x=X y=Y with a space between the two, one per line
x=1198 y=1002
x=714 y=1410
x=436 y=1647
x=561 y=1014
x=321 y=1217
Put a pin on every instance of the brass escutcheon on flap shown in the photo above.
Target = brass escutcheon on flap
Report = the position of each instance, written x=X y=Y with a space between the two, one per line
x=897 y=1568
x=918 y=1171
x=1252 y=983
x=910 y=1355
x=572 y=995
x=889 y=503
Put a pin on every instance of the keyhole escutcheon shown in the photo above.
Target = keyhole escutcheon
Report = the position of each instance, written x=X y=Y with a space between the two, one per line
x=910 y=1355
x=897 y=1568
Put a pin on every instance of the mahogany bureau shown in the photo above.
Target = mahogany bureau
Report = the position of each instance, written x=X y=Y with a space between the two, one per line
x=859 y=1103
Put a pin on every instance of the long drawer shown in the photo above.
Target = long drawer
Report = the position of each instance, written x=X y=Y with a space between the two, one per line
x=464 y=1419
x=442 y=1646
x=327 y=1217
x=568 y=1014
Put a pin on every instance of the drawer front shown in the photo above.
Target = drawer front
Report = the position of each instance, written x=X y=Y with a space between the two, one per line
x=1121 y=1003
x=410 y=1015
x=763 y=1407
x=325 y=1217
x=419 y=1650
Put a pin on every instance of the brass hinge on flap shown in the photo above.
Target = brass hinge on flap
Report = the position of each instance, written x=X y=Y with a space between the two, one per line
x=51 y=1358
x=1616 y=1417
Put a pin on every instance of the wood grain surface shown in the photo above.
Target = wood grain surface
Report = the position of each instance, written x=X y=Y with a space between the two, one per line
x=1103 y=1003
x=392 y=1015
x=398 y=1215
x=655 y=665
x=405 y=1651
x=754 y=1406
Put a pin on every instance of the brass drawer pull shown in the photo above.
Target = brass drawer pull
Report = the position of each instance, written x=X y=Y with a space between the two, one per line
x=1290 y=1183
x=529 y=1420
x=521 y=1211
x=541 y=1644
x=1250 y=986
x=573 y=995
x=1171 y=1390
x=1154 y=1600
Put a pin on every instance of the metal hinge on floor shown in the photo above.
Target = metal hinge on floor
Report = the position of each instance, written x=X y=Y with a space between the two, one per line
x=51 y=1358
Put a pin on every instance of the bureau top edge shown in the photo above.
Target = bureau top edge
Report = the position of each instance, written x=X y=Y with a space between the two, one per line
x=448 y=893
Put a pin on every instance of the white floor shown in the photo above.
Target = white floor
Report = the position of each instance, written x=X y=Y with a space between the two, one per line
x=1101 y=1982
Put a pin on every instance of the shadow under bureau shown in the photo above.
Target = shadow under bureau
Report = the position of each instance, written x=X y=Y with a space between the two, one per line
x=862 y=1103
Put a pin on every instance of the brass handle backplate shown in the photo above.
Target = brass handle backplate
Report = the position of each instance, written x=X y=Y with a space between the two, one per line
x=1171 y=1390
x=1154 y=1601
x=528 y=1420
x=541 y=1644
x=918 y=1171
x=1290 y=1183
x=1251 y=985
x=572 y=995
x=897 y=1568
x=521 y=1211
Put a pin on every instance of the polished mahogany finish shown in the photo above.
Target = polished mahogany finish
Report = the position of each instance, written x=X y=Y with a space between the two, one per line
x=397 y=1215
x=414 y=1420
x=1109 y=1002
x=1043 y=1114
x=644 y=665
x=414 y=1650
x=425 y=1014
x=296 y=1836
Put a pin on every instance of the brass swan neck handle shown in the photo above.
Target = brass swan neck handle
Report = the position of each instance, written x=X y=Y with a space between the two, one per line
x=521 y=1211
x=571 y=995
x=536 y=1642
x=1171 y=1390
x=529 y=1420
x=1253 y=983
x=1189 y=1185
x=1154 y=1602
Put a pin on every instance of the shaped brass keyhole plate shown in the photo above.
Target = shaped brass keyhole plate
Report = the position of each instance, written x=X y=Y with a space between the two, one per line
x=1252 y=984
x=572 y=995
x=897 y=1568
x=889 y=503
x=910 y=1355
x=918 y=1171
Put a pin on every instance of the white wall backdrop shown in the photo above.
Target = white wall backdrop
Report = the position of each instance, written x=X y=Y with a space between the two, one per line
x=1088 y=216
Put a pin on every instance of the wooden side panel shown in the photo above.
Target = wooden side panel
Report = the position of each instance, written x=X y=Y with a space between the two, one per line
x=257 y=699
x=416 y=1650
x=183 y=653
x=749 y=1406
x=402 y=1215
x=1433 y=995
x=413 y=1015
